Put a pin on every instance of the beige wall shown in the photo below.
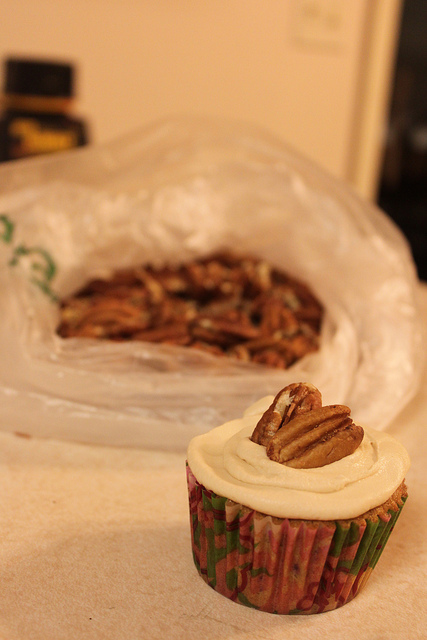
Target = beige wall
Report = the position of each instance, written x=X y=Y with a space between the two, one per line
x=297 y=67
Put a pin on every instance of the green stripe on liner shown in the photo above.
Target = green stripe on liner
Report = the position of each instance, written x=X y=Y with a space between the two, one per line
x=338 y=540
x=207 y=504
x=353 y=535
x=381 y=526
x=210 y=556
x=364 y=546
x=231 y=579
x=218 y=504
x=213 y=554
x=232 y=537
x=386 y=533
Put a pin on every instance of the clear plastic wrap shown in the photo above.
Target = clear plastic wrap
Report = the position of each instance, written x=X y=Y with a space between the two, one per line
x=173 y=191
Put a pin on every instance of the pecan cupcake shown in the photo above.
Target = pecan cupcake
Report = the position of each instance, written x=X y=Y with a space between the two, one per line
x=291 y=506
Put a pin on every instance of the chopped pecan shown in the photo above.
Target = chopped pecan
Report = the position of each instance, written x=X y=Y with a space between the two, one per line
x=239 y=305
x=173 y=332
x=173 y=280
x=228 y=327
x=107 y=317
x=259 y=344
x=270 y=358
x=276 y=319
x=240 y=352
x=301 y=345
x=205 y=346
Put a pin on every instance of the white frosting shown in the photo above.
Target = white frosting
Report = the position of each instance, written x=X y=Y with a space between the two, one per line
x=227 y=462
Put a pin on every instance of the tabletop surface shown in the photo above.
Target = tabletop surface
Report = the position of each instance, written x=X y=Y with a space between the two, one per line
x=95 y=544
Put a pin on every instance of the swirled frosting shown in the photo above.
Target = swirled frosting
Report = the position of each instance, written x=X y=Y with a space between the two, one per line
x=226 y=461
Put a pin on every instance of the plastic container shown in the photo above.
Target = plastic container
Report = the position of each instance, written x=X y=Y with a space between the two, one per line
x=178 y=189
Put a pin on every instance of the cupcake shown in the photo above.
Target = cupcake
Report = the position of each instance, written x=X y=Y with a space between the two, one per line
x=291 y=505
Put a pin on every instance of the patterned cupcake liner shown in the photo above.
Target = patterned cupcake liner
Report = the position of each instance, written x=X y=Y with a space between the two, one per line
x=279 y=565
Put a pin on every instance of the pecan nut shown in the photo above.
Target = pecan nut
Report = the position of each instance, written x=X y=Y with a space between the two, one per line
x=234 y=305
x=295 y=399
x=302 y=436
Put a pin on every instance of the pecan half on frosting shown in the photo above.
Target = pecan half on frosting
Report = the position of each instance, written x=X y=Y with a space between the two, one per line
x=299 y=432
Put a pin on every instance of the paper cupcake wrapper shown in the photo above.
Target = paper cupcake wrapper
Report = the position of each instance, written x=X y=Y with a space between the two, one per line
x=279 y=565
